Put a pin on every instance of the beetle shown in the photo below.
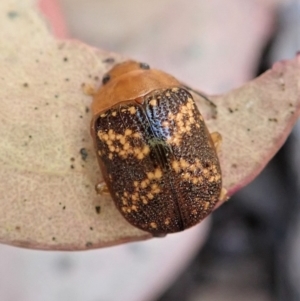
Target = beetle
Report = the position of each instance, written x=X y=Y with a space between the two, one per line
x=157 y=157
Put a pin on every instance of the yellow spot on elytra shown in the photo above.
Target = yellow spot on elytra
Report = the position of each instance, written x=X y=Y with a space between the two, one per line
x=103 y=115
x=153 y=102
x=146 y=150
x=153 y=225
x=143 y=184
x=128 y=210
x=126 y=146
x=122 y=140
x=176 y=166
x=150 y=175
x=194 y=212
x=110 y=156
x=114 y=113
x=128 y=132
x=206 y=205
x=132 y=110
x=135 y=183
x=136 y=135
x=150 y=196
x=184 y=164
x=185 y=176
x=165 y=124
x=157 y=173
x=205 y=171
x=124 y=209
x=211 y=179
x=167 y=221
x=134 y=208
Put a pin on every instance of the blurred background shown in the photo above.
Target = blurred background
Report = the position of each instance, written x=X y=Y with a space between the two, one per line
x=250 y=248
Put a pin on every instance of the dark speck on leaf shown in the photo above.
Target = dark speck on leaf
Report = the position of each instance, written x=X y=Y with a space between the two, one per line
x=65 y=59
x=12 y=14
x=25 y=85
x=67 y=79
x=87 y=109
x=98 y=209
x=83 y=152
x=230 y=110
x=53 y=238
x=109 y=60
x=64 y=207
x=72 y=166
x=91 y=228
x=88 y=244
x=72 y=159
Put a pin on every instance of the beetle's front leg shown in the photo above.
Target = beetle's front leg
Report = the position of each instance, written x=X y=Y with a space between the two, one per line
x=102 y=189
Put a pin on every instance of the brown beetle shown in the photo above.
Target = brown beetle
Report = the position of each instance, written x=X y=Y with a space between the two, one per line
x=157 y=157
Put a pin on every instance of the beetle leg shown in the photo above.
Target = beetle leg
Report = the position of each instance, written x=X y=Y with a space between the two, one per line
x=223 y=195
x=101 y=188
x=217 y=140
x=88 y=89
x=210 y=103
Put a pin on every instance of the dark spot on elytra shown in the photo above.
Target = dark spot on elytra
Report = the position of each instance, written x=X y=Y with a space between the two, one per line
x=53 y=238
x=56 y=95
x=72 y=159
x=64 y=207
x=248 y=130
x=18 y=228
x=91 y=228
x=65 y=59
x=29 y=136
x=98 y=209
x=234 y=165
x=87 y=109
x=67 y=79
x=72 y=166
x=83 y=152
x=25 y=85
x=230 y=110
x=88 y=244
x=109 y=60
x=96 y=78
